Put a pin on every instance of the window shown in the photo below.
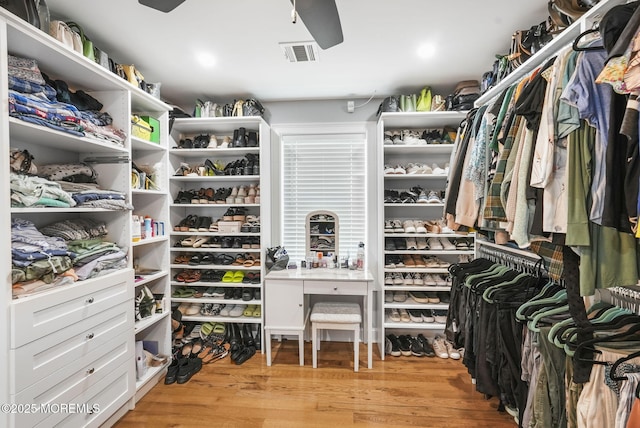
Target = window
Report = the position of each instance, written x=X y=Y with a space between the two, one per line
x=324 y=172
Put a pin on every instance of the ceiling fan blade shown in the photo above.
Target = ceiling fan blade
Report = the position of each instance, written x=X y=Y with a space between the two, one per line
x=162 y=5
x=322 y=20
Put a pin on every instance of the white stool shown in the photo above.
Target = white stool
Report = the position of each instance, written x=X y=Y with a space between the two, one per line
x=336 y=316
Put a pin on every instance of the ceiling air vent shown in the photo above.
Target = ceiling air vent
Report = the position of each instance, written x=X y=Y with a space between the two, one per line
x=300 y=51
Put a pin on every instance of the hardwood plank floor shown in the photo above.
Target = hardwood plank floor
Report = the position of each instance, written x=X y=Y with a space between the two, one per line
x=397 y=392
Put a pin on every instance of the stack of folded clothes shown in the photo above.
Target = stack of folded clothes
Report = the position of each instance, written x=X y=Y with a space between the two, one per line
x=35 y=98
x=60 y=253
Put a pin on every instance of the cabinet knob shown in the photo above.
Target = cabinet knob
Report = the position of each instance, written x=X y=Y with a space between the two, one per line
x=335 y=288
x=90 y=300
x=90 y=336
x=300 y=304
x=91 y=370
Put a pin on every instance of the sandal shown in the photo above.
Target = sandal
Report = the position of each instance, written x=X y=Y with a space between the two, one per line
x=189 y=241
x=228 y=276
x=182 y=259
x=249 y=261
x=257 y=312
x=238 y=276
x=200 y=240
x=248 y=311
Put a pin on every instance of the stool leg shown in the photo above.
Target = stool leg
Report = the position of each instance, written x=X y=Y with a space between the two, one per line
x=267 y=334
x=356 y=348
x=314 y=339
x=301 y=347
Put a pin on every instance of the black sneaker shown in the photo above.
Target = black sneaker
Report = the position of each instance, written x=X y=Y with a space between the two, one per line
x=416 y=347
x=426 y=346
x=405 y=345
x=393 y=345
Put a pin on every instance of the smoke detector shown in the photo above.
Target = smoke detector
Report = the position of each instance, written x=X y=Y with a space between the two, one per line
x=300 y=51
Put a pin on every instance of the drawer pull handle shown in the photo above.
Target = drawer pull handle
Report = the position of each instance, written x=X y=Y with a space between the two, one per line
x=90 y=300
x=91 y=370
x=90 y=336
x=335 y=288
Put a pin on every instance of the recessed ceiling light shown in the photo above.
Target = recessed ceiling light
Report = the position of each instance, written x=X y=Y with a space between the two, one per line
x=206 y=59
x=426 y=50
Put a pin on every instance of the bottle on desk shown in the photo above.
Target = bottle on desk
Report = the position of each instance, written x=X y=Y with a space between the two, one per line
x=360 y=257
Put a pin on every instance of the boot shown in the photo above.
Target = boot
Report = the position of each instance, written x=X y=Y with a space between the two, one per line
x=252 y=139
x=241 y=140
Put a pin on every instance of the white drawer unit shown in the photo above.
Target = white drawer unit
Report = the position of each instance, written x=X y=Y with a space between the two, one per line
x=113 y=363
x=46 y=361
x=335 y=287
x=34 y=318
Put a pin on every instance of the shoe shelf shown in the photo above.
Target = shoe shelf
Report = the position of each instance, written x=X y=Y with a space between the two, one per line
x=223 y=161
x=388 y=324
x=212 y=153
x=216 y=178
x=143 y=192
x=414 y=205
x=409 y=269
x=145 y=279
x=412 y=150
x=415 y=141
x=414 y=176
x=391 y=288
x=214 y=205
x=411 y=304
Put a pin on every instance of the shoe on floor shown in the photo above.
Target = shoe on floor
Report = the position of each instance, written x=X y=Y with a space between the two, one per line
x=440 y=348
x=426 y=346
x=453 y=352
x=405 y=345
x=392 y=345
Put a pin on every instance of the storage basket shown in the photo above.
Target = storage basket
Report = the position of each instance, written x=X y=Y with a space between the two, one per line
x=140 y=128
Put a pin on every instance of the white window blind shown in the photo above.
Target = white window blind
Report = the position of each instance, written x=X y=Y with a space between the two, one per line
x=324 y=172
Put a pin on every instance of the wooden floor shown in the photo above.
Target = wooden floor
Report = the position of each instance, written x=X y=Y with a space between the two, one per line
x=397 y=392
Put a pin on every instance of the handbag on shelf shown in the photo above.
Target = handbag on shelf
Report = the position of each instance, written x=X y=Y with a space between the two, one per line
x=132 y=75
x=252 y=107
x=389 y=104
x=87 y=44
x=64 y=34
x=424 y=100
x=25 y=9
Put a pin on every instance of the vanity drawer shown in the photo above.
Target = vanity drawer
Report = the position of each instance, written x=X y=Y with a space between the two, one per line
x=40 y=316
x=336 y=287
x=112 y=364
x=50 y=359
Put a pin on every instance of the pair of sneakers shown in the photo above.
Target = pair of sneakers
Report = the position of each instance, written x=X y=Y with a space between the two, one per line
x=444 y=349
x=408 y=345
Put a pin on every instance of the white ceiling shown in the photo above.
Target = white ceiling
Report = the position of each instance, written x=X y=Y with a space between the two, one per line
x=378 y=55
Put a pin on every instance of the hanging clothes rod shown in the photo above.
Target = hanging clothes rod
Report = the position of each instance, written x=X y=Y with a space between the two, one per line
x=521 y=260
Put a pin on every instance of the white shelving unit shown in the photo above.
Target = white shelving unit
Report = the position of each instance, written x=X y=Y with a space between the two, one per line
x=220 y=127
x=428 y=154
x=150 y=256
x=86 y=329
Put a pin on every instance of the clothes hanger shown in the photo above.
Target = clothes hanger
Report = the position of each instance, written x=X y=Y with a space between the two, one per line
x=533 y=324
x=487 y=295
x=614 y=367
x=528 y=309
x=546 y=291
x=576 y=43
x=587 y=345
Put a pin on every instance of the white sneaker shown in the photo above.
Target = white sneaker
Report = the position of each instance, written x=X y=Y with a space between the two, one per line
x=420 y=227
x=437 y=170
x=433 y=198
x=429 y=279
x=409 y=226
x=447 y=245
x=388 y=279
x=388 y=169
x=417 y=279
x=413 y=168
x=453 y=353
x=398 y=279
x=439 y=347
x=399 y=296
x=388 y=297
x=408 y=279
x=435 y=244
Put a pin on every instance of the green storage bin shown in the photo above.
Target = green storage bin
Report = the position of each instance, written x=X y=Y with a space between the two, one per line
x=155 y=128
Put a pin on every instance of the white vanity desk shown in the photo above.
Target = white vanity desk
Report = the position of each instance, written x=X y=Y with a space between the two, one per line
x=287 y=301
